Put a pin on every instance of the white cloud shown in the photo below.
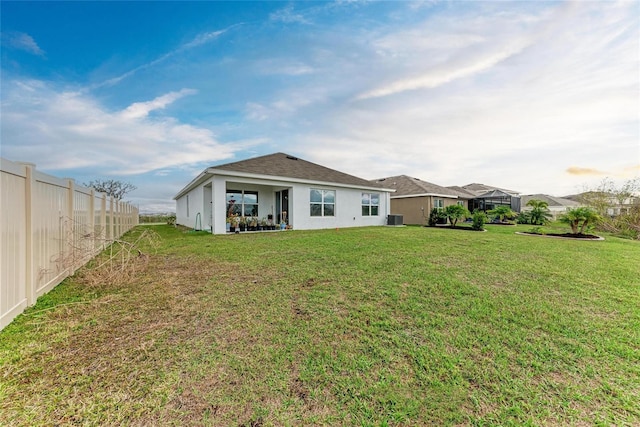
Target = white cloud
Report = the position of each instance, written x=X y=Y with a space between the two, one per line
x=288 y=16
x=60 y=130
x=445 y=73
x=21 y=41
x=142 y=109
x=512 y=98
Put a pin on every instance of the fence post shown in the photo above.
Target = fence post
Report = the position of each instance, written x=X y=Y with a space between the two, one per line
x=30 y=282
x=103 y=221
x=92 y=220
x=70 y=234
x=112 y=228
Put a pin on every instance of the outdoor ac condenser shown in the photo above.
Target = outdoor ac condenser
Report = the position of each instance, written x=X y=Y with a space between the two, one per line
x=394 y=220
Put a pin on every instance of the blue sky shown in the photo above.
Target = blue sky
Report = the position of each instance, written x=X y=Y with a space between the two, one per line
x=531 y=96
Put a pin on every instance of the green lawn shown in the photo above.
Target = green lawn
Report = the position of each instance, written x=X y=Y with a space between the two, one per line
x=370 y=326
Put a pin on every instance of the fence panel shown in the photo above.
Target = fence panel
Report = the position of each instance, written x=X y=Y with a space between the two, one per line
x=49 y=227
x=13 y=297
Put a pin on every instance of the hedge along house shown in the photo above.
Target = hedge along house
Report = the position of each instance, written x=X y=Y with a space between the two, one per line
x=281 y=188
x=414 y=199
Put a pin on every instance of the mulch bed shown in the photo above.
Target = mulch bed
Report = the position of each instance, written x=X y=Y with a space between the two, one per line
x=579 y=236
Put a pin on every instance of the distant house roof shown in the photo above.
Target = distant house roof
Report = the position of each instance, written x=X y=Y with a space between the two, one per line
x=550 y=200
x=284 y=166
x=479 y=189
x=407 y=186
x=464 y=194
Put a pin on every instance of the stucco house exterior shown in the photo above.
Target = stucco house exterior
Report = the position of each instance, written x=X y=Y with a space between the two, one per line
x=414 y=198
x=557 y=205
x=281 y=188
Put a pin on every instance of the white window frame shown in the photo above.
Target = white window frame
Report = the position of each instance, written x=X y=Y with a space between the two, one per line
x=370 y=205
x=322 y=203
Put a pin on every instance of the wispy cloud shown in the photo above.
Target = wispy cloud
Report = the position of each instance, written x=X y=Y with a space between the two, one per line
x=142 y=109
x=61 y=130
x=21 y=41
x=576 y=170
x=197 y=41
x=288 y=16
x=445 y=73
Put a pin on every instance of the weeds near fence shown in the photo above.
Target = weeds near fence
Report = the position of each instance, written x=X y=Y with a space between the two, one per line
x=119 y=259
x=122 y=260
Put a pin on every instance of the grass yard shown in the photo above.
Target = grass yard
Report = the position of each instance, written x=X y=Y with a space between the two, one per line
x=370 y=326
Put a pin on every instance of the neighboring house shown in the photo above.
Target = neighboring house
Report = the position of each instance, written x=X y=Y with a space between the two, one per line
x=557 y=205
x=414 y=199
x=284 y=188
x=488 y=198
x=607 y=203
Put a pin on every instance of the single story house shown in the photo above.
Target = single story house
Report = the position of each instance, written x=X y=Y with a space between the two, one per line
x=414 y=198
x=283 y=189
x=487 y=198
x=557 y=205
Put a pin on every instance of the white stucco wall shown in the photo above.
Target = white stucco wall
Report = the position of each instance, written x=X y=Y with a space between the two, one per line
x=187 y=215
x=348 y=208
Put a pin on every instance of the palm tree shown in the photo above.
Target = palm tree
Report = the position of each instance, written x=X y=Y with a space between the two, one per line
x=539 y=214
x=502 y=212
x=579 y=218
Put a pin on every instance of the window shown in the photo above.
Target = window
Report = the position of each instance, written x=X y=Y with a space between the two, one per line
x=370 y=204
x=460 y=203
x=242 y=203
x=187 y=206
x=323 y=202
x=438 y=203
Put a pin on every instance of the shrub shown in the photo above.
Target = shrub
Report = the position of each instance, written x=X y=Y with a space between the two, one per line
x=523 y=218
x=479 y=219
x=455 y=213
x=436 y=216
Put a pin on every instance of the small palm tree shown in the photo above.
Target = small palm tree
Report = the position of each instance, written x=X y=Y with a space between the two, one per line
x=502 y=212
x=580 y=218
x=539 y=214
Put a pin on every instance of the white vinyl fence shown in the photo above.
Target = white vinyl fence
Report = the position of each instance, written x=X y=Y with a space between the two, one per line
x=50 y=227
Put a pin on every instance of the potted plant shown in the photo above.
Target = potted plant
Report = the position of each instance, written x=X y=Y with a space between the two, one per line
x=253 y=223
x=243 y=223
x=262 y=225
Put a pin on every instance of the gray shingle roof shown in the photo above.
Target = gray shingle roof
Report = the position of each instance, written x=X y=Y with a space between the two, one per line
x=551 y=200
x=287 y=166
x=409 y=186
x=464 y=194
